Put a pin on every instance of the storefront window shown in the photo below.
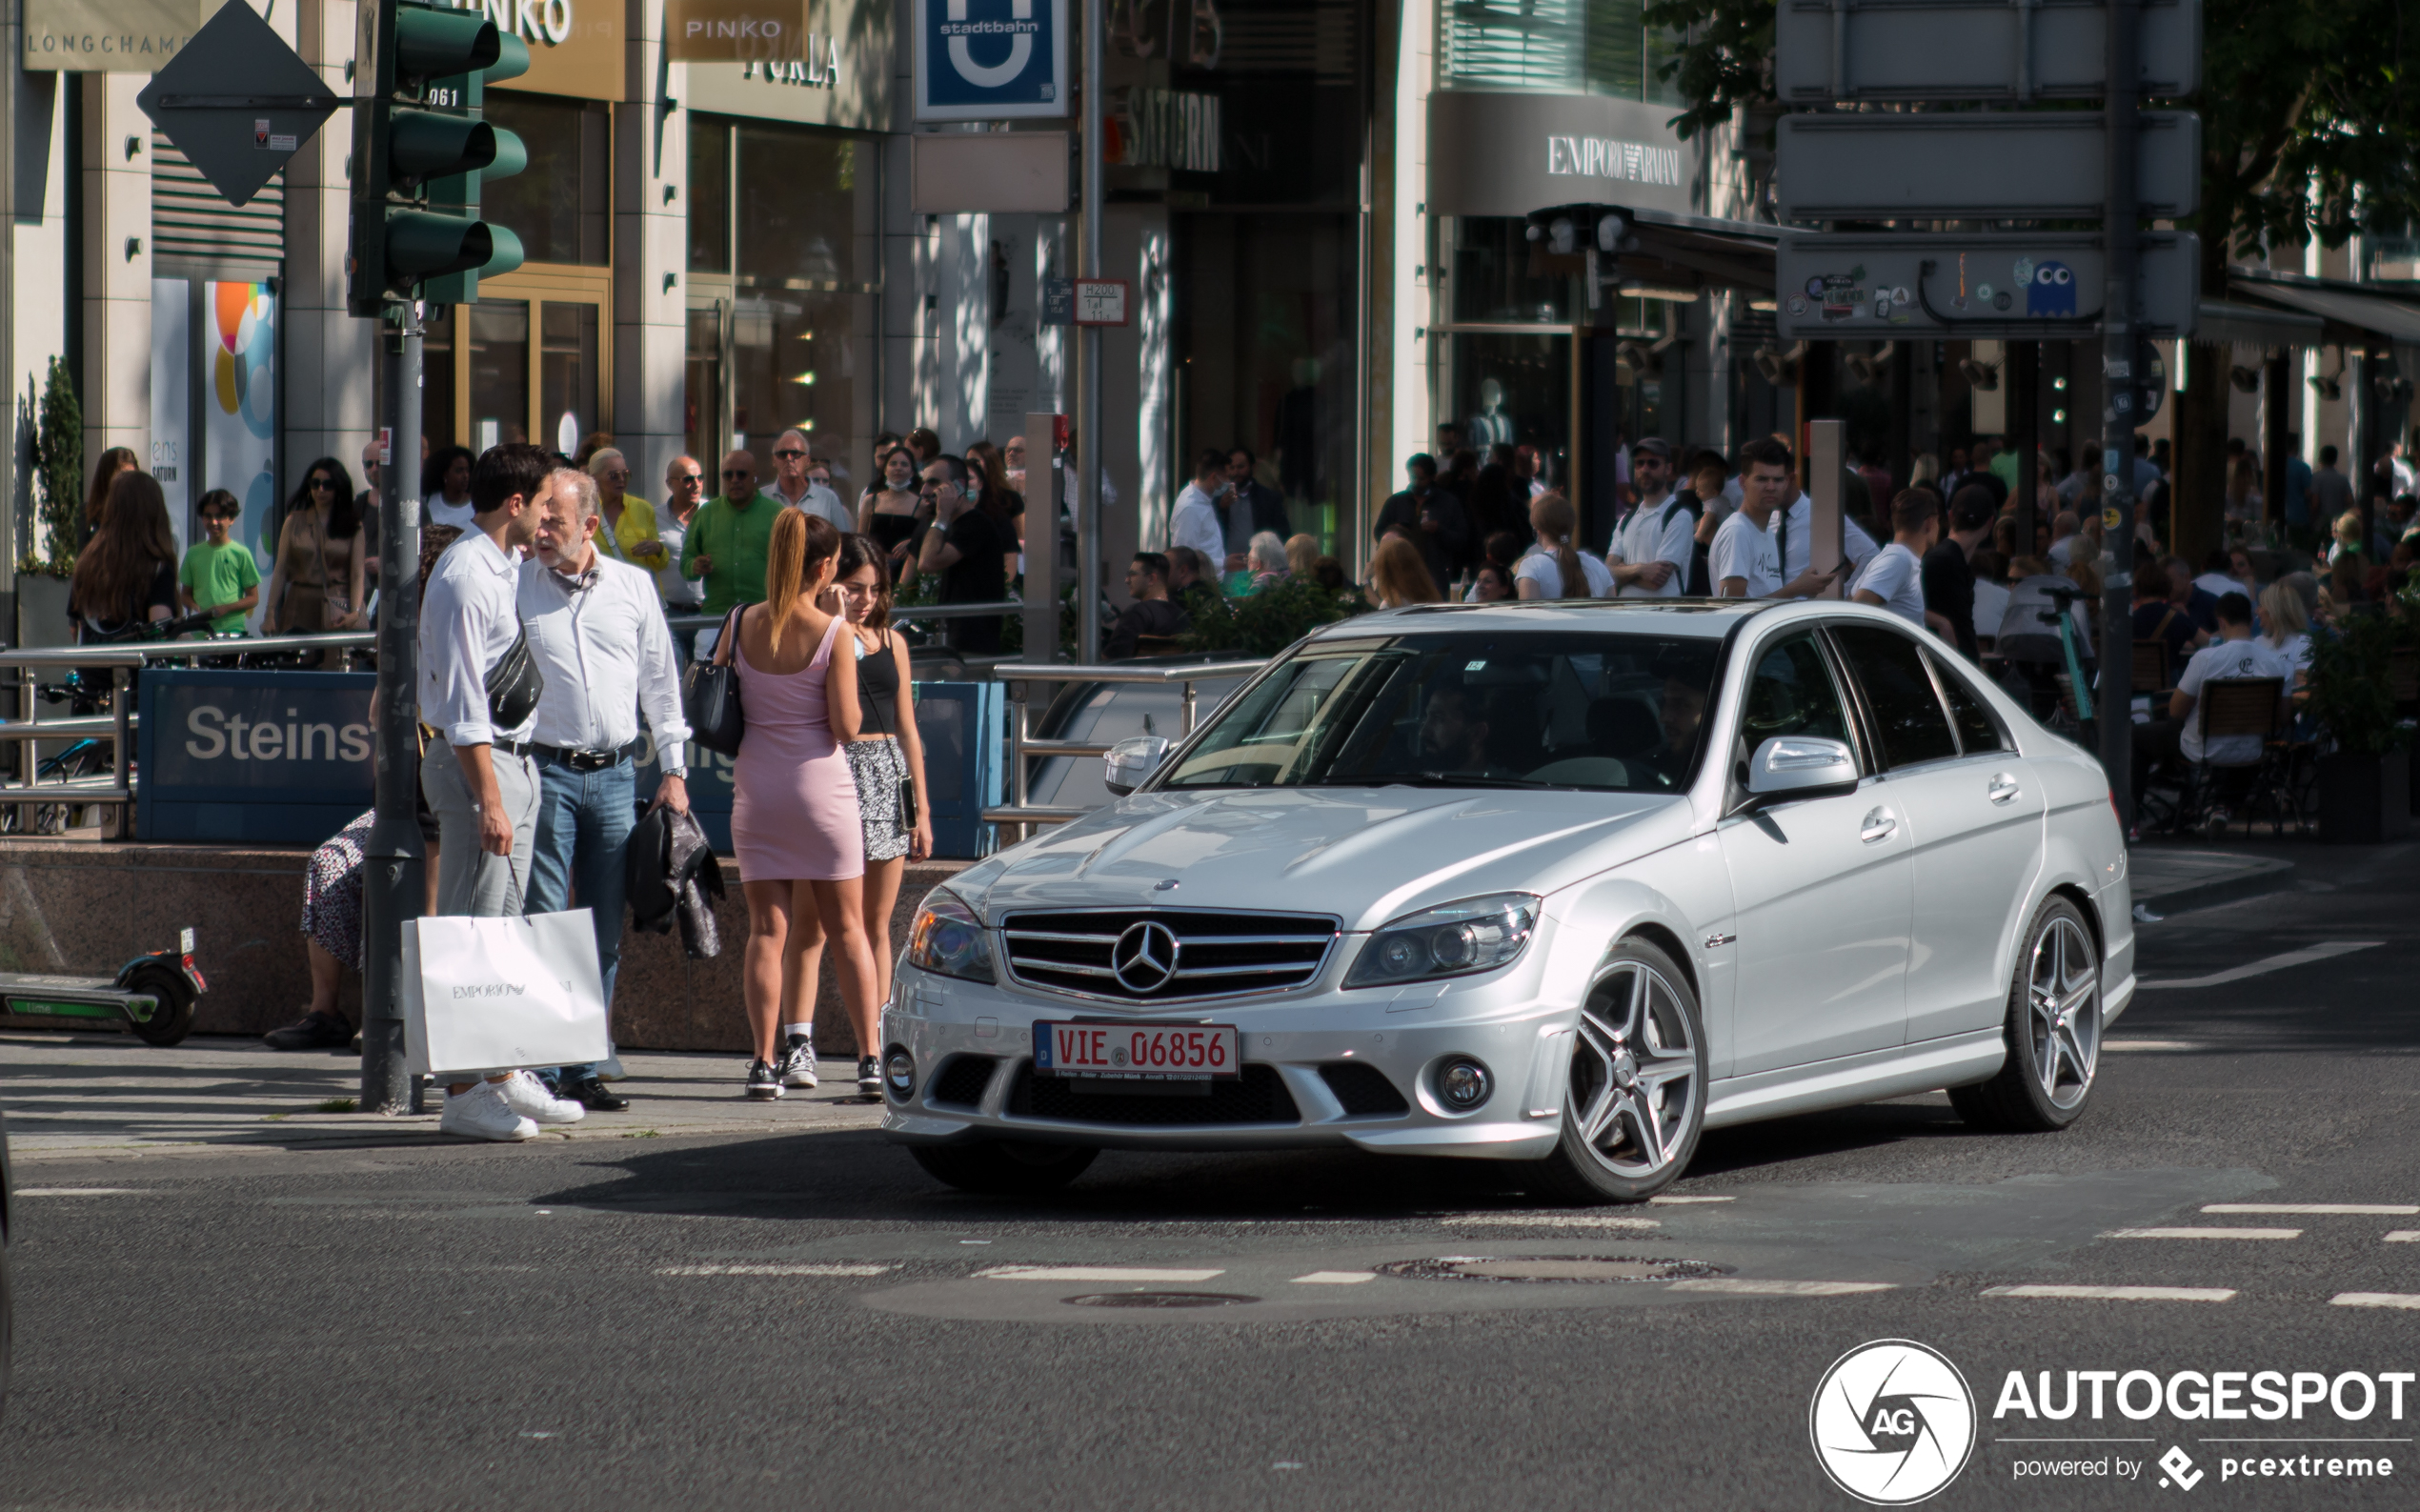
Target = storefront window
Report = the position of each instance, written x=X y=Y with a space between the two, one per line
x=709 y=195
x=561 y=205
x=1543 y=47
x=437 y=377
x=567 y=373
x=701 y=388
x=1502 y=277
x=499 y=373
x=1512 y=390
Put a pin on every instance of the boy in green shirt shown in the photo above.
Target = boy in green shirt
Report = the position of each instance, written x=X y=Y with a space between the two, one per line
x=729 y=537
x=218 y=572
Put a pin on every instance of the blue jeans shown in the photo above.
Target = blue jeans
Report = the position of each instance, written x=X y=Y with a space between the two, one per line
x=584 y=819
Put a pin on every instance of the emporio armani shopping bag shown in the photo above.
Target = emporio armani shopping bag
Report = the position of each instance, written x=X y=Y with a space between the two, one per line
x=501 y=994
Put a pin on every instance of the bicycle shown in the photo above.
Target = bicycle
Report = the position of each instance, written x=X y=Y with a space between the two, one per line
x=86 y=755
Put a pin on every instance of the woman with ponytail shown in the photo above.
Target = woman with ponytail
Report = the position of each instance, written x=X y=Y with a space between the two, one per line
x=1555 y=568
x=794 y=815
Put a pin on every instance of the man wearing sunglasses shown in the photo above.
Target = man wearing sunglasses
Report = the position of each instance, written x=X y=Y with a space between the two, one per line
x=793 y=486
x=727 y=543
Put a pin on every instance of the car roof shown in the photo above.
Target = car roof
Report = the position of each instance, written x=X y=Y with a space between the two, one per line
x=1710 y=617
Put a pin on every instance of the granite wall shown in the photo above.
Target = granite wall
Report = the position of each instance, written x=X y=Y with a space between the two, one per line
x=88 y=908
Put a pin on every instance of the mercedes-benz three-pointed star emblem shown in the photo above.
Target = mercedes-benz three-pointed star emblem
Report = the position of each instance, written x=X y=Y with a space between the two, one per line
x=1145 y=957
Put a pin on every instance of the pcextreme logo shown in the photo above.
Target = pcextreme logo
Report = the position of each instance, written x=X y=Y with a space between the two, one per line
x=1892 y=1421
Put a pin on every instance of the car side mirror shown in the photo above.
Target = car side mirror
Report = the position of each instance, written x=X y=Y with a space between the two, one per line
x=1800 y=766
x=1131 y=763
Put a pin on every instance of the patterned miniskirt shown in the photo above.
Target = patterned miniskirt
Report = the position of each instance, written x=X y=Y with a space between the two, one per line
x=879 y=766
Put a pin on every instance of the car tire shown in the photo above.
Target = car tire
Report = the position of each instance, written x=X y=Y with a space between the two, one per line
x=1639 y=1045
x=2052 y=1031
x=1002 y=1168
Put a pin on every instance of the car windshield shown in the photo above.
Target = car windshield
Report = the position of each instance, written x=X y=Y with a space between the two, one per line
x=1614 y=713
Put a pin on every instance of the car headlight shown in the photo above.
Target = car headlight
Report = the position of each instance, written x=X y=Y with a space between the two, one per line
x=948 y=938
x=1476 y=934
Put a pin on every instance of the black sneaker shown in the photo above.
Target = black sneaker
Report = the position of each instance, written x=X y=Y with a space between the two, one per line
x=764 y=1083
x=593 y=1095
x=798 y=1063
x=870 y=1079
x=316 y=1031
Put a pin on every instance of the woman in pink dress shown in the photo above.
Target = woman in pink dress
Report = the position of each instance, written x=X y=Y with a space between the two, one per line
x=794 y=815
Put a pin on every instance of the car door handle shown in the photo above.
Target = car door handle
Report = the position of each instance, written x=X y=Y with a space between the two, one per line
x=1879 y=826
x=2003 y=788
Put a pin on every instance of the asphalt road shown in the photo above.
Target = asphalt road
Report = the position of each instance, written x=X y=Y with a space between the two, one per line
x=803 y=1320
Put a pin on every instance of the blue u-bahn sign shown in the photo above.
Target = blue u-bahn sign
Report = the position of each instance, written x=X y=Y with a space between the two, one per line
x=991 y=60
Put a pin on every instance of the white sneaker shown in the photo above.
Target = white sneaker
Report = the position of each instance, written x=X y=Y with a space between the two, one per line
x=527 y=1095
x=482 y=1114
x=798 y=1063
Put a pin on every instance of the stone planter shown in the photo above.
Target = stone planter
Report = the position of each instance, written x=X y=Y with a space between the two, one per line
x=2364 y=799
x=42 y=611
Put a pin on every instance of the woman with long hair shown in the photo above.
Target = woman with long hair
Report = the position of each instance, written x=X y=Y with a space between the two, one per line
x=1398 y=576
x=126 y=572
x=1556 y=567
x=445 y=482
x=2286 y=625
x=999 y=499
x=113 y=461
x=1302 y=555
x=316 y=582
x=886 y=511
x=1492 y=584
x=795 y=822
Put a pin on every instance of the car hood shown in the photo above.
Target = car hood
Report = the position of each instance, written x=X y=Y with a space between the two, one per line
x=1367 y=854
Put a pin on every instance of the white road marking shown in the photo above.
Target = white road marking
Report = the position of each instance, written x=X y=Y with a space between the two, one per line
x=2403 y=1235
x=2378 y=1209
x=1676 y=1202
x=1741 y=1286
x=1335 y=1278
x=1548 y=1220
x=79 y=1191
x=2122 y=1046
x=774 y=1270
x=1092 y=1273
x=2119 y=1294
x=2204 y=1232
x=2374 y=1300
x=2324 y=950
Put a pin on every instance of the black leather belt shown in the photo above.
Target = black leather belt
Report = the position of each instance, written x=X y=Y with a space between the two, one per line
x=577 y=759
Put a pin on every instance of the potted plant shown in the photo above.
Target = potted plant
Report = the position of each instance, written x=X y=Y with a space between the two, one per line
x=2363 y=774
x=46 y=562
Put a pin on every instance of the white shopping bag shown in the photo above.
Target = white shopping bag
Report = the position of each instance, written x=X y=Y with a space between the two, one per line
x=501 y=994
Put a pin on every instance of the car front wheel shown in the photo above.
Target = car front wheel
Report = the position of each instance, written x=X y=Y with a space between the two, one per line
x=2053 y=1031
x=1636 y=1099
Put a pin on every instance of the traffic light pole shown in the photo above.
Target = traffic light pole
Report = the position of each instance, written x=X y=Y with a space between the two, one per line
x=1090 y=435
x=393 y=864
x=2119 y=386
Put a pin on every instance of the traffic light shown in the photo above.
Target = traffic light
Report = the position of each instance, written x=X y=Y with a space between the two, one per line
x=1566 y=229
x=417 y=139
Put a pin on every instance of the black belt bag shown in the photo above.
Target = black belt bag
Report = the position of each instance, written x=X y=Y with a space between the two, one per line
x=513 y=685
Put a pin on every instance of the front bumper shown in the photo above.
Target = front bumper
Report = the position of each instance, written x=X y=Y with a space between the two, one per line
x=1293 y=1095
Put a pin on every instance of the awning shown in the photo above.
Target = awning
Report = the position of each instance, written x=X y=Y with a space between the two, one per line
x=2221 y=320
x=2348 y=316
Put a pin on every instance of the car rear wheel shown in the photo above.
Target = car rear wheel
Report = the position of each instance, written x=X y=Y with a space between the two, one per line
x=1004 y=1168
x=1636 y=1099
x=2053 y=1031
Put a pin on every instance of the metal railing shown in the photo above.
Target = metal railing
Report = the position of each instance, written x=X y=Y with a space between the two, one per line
x=1022 y=746
x=899 y=613
x=114 y=789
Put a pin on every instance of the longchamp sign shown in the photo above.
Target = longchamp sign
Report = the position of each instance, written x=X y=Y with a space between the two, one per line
x=106 y=37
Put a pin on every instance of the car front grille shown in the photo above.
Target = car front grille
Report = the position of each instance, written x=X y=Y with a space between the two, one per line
x=962 y=1080
x=1257 y=1097
x=1214 y=955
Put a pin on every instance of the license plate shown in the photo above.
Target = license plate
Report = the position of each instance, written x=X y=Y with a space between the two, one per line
x=1127 y=1051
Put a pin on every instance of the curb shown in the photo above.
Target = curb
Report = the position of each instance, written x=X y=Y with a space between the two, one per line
x=2270 y=877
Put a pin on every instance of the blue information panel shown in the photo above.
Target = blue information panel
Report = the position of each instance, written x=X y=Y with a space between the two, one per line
x=965 y=734
x=279 y=757
x=990 y=60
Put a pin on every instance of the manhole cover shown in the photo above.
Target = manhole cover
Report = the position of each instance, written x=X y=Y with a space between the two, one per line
x=1550 y=1268
x=1159 y=1300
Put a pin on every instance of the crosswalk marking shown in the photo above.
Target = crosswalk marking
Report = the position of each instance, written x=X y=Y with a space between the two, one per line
x=78 y=1191
x=2119 y=1294
x=774 y=1270
x=2381 y=1209
x=2403 y=1235
x=2324 y=950
x=1093 y=1272
x=1676 y=1202
x=1548 y=1220
x=1335 y=1278
x=1742 y=1286
x=2203 y=1233
x=2404 y=1300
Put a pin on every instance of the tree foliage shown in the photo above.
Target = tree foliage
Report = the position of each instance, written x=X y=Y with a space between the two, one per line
x=59 y=442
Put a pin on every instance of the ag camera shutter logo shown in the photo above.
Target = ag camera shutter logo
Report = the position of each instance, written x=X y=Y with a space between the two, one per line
x=1892 y=1421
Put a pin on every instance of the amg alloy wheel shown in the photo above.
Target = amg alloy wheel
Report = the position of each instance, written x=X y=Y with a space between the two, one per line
x=1636 y=1099
x=2053 y=1031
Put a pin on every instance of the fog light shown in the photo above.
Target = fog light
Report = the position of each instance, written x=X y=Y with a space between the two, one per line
x=1463 y=1084
x=898 y=1074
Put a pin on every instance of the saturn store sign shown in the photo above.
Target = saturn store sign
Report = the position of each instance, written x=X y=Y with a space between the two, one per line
x=106 y=37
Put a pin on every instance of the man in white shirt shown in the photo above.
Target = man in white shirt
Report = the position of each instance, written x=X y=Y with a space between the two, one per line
x=791 y=486
x=1794 y=533
x=486 y=795
x=1894 y=579
x=598 y=637
x=1745 y=561
x=1653 y=543
x=2237 y=654
x=1195 y=522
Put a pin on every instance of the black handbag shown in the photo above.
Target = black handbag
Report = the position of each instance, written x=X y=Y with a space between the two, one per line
x=710 y=694
x=907 y=782
x=513 y=685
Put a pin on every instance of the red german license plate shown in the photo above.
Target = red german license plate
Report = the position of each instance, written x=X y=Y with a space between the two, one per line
x=1155 y=1052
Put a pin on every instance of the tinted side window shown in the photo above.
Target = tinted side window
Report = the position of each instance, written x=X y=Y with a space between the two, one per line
x=1890 y=668
x=1791 y=693
x=1977 y=730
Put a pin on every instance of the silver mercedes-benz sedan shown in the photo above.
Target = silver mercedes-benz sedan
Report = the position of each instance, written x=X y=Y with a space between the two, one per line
x=1556 y=882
